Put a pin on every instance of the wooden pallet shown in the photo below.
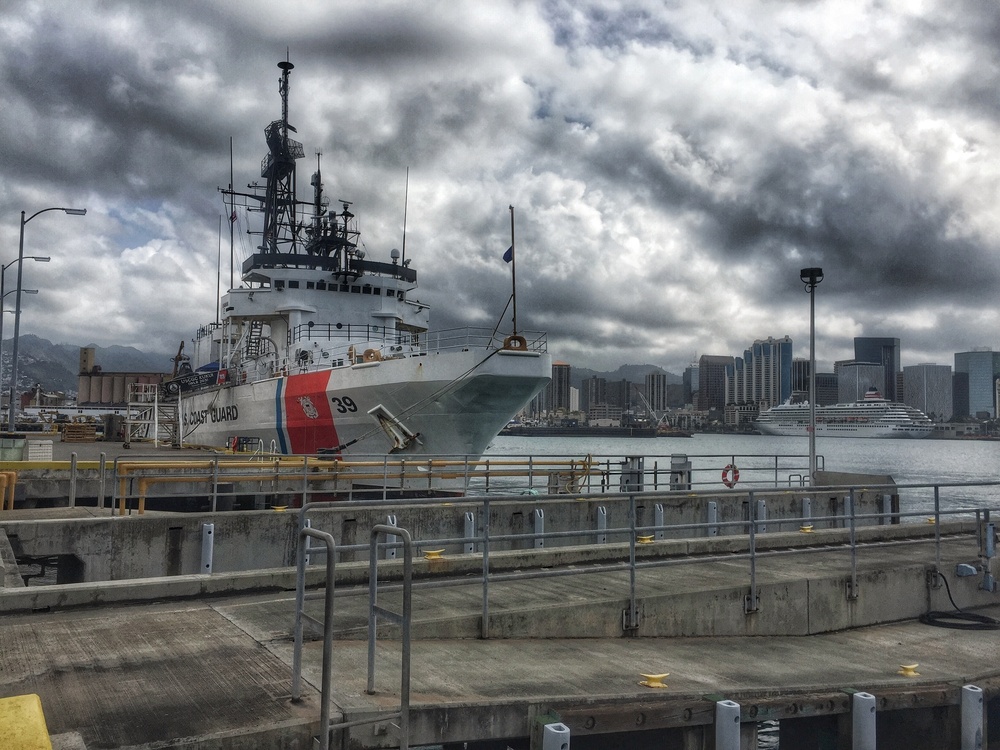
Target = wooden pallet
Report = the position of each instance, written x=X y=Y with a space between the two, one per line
x=79 y=432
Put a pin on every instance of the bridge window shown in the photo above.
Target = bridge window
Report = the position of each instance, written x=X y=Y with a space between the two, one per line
x=390 y=292
x=355 y=289
x=310 y=285
x=293 y=285
x=321 y=285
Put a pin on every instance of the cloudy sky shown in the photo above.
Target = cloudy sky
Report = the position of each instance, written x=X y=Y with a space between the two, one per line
x=673 y=165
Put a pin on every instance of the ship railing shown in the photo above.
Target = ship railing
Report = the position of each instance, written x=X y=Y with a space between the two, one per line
x=390 y=341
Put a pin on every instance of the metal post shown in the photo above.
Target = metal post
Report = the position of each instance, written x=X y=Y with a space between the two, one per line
x=101 y=478
x=72 y=480
x=937 y=527
x=631 y=617
x=207 y=546
x=863 y=721
x=658 y=521
x=470 y=532
x=602 y=525
x=807 y=510
x=538 y=518
x=811 y=277
x=852 y=592
x=391 y=540
x=727 y=725
x=485 y=629
x=712 y=513
x=972 y=717
x=750 y=603
x=762 y=516
x=215 y=484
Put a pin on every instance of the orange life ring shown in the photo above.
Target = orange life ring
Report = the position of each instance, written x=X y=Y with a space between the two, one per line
x=730 y=476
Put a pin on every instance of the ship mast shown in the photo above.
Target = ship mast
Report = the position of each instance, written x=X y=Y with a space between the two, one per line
x=278 y=168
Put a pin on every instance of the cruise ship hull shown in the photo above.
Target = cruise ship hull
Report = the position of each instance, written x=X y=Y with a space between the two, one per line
x=448 y=403
x=846 y=430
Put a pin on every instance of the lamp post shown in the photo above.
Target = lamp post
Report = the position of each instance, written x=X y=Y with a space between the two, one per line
x=17 y=303
x=811 y=278
x=3 y=296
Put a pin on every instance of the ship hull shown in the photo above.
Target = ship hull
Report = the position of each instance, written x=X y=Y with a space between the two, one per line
x=823 y=430
x=449 y=403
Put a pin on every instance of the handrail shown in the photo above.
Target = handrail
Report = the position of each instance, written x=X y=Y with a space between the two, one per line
x=327 y=624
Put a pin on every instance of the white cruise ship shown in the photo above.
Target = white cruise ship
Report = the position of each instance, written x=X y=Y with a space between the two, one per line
x=873 y=416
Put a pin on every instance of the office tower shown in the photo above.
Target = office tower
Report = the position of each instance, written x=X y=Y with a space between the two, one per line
x=973 y=385
x=855 y=378
x=928 y=387
x=884 y=352
x=558 y=389
x=656 y=391
x=712 y=381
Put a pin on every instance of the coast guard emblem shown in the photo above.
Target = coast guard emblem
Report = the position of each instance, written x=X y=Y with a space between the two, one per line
x=308 y=408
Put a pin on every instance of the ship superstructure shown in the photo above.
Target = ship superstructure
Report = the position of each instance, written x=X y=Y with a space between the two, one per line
x=872 y=416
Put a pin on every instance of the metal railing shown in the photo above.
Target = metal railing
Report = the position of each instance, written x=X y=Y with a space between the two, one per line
x=291 y=480
x=483 y=541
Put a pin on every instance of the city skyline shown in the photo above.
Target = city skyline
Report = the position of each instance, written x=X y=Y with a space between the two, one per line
x=672 y=166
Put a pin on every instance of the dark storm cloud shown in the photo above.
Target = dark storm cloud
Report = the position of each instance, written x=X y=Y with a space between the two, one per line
x=673 y=165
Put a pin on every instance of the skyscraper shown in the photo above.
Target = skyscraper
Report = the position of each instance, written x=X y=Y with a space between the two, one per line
x=559 y=388
x=712 y=381
x=656 y=391
x=973 y=387
x=928 y=387
x=884 y=352
x=855 y=378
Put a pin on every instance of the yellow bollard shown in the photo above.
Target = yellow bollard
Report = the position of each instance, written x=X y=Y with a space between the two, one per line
x=654 y=680
x=908 y=670
x=433 y=554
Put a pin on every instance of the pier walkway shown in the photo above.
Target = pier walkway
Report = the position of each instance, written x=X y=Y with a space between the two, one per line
x=215 y=671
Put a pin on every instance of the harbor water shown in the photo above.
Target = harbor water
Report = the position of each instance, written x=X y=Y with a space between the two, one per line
x=909 y=462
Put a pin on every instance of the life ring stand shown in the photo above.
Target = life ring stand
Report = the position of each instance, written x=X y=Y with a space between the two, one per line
x=372 y=355
x=515 y=343
x=730 y=475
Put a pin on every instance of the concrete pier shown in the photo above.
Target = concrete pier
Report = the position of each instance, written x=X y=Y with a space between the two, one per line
x=178 y=661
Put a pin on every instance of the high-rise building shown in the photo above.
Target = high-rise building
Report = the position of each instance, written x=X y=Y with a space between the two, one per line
x=855 y=378
x=928 y=388
x=656 y=391
x=762 y=378
x=712 y=381
x=826 y=389
x=884 y=352
x=558 y=388
x=973 y=387
x=594 y=392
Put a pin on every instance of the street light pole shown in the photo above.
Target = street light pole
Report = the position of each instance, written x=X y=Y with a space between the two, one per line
x=811 y=278
x=3 y=296
x=17 y=304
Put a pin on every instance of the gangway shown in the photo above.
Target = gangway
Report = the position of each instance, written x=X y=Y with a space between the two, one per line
x=149 y=418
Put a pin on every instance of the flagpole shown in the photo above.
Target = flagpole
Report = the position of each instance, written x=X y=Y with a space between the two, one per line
x=513 y=270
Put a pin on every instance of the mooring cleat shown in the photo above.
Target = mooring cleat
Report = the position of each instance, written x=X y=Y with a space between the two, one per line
x=645 y=539
x=654 y=680
x=909 y=670
x=433 y=554
x=806 y=528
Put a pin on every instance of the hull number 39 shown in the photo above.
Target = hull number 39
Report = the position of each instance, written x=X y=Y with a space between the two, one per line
x=343 y=404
